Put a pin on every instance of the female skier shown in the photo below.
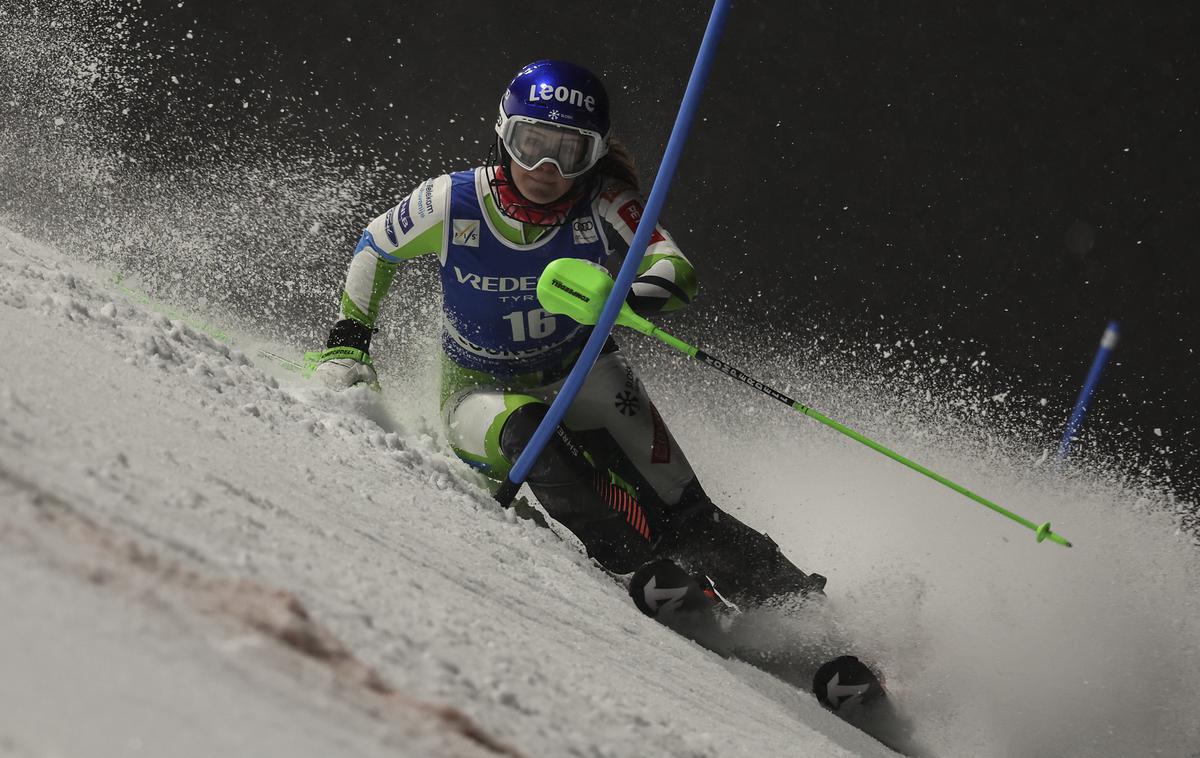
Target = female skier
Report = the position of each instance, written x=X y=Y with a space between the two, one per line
x=557 y=186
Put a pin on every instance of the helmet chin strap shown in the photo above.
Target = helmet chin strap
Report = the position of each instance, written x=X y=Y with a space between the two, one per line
x=516 y=206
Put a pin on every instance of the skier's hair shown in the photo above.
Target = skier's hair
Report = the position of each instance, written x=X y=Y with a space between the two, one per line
x=619 y=164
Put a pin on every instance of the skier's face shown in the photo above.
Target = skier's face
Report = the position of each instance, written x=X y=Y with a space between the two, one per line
x=543 y=184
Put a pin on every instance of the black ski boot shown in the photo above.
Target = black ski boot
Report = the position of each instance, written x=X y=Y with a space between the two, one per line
x=661 y=589
x=685 y=604
x=851 y=690
x=746 y=564
x=844 y=684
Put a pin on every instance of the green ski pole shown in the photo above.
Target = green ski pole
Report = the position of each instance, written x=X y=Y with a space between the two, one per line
x=578 y=289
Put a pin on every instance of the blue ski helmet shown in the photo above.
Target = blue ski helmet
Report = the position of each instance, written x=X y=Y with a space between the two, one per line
x=556 y=112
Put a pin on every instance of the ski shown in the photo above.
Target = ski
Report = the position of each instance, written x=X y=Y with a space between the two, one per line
x=693 y=607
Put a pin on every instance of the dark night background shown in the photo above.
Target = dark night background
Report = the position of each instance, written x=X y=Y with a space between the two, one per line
x=1007 y=176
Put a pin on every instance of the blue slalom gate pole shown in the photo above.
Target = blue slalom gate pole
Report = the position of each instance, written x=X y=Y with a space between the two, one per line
x=1107 y=343
x=637 y=249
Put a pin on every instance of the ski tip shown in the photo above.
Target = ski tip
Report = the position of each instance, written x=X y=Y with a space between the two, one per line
x=845 y=683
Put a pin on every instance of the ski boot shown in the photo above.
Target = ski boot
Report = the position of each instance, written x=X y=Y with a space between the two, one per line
x=845 y=683
x=746 y=564
x=855 y=693
x=686 y=604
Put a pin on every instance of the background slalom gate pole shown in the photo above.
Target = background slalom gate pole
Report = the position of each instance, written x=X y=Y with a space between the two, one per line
x=1109 y=341
x=637 y=249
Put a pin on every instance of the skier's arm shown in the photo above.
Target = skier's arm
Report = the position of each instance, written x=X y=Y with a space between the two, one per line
x=666 y=280
x=411 y=229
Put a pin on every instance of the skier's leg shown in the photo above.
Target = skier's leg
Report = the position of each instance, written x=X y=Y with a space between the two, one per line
x=565 y=483
x=615 y=415
x=490 y=427
x=746 y=566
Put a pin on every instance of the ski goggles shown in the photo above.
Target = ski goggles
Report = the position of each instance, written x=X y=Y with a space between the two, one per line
x=531 y=143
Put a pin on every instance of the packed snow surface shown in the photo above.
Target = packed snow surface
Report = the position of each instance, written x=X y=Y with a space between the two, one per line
x=204 y=555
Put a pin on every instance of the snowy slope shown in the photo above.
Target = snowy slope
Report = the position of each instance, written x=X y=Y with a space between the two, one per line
x=202 y=555
x=173 y=514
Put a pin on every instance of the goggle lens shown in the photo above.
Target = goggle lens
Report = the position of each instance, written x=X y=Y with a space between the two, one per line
x=532 y=144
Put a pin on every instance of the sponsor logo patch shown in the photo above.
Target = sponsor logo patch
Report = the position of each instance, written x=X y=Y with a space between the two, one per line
x=390 y=228
x=402 y=215
x=631 y=214
x=628 y=403
x=496 y=283
x=548 y=93
x=584 y=230
x=425 y=204
x=466 y=232
x=569 y=290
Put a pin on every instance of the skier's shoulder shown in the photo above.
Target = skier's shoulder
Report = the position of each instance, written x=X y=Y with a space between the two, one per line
x=412 y=227
x=614 y=193
x=428 y=200
x=619 y=206
x=466 y=174
x=426 y=205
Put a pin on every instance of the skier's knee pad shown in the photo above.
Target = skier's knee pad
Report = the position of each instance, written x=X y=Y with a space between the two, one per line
x=519 y=428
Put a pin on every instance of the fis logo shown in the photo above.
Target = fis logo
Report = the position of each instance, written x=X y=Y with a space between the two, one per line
x=584 y=230
x=548 y=92
x=466 y=232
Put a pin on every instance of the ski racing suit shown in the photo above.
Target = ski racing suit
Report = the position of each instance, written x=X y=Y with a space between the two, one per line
x=613 y=474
